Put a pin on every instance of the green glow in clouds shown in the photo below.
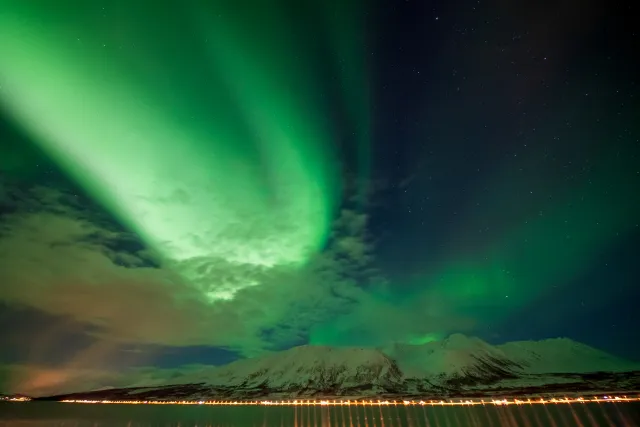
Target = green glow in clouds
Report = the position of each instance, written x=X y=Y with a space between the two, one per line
x=204 y=135
x=423 y=339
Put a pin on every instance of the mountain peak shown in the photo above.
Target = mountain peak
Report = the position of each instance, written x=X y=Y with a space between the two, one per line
x=457 y=363
x=458 y=340
x=305 y=366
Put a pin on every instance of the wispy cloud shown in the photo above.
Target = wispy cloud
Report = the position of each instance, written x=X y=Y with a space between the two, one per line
x=66 y=259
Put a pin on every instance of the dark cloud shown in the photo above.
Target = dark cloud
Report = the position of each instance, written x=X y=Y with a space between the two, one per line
x=108 y=293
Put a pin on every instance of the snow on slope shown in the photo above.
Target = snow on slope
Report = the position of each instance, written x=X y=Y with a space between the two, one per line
x=454 y=357
x=305 y=366
x=457 y=358
x=562 y=355
x=456 y=363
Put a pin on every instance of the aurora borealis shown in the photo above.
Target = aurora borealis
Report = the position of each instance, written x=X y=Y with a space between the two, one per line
x=197 y=181
x=240 y=174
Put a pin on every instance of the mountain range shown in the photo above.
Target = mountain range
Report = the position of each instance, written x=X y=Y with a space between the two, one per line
x=456 y=366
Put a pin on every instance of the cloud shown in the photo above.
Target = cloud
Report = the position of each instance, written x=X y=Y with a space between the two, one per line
x=380 y=312
x=380 y=318
x=39 y=380
x=65 y=257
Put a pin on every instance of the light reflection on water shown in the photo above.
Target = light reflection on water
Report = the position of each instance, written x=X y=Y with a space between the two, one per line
x=77 y=415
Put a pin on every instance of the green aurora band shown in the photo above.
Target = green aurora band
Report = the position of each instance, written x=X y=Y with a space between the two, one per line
x=531 y=255
x=204 y=131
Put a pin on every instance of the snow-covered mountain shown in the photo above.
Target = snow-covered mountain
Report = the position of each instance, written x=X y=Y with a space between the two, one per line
x=457 y=356
x=562 y=355
x=456 y=365
x=305 y=367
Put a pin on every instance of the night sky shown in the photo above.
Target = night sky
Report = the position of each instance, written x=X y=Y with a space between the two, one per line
x=192 y=182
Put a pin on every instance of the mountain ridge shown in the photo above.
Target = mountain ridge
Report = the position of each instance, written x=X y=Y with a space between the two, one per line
x=457 y=365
